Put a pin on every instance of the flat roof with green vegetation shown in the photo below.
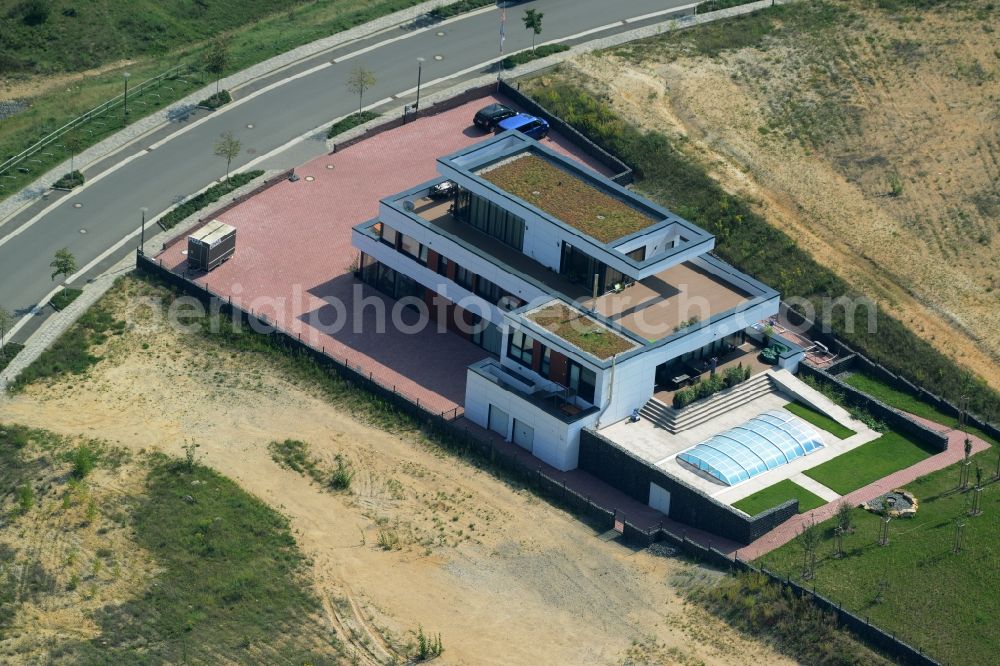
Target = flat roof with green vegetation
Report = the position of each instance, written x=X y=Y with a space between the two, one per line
x=943 y=602
x=779 y=493
x=869 y=462
x=581 y=331
x=568 y=198
x=819 y=420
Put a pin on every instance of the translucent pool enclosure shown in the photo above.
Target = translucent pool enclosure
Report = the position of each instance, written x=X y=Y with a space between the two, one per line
x=764 y=442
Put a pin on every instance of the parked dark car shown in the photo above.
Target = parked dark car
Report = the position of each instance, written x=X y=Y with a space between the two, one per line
x=487 y=117
x=536 y=128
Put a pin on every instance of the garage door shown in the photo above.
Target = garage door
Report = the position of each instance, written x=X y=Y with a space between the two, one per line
x=524 y=435
x=499 y=421
x=659 y=498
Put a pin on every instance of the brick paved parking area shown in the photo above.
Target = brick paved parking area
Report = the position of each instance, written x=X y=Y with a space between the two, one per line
x=294 y=256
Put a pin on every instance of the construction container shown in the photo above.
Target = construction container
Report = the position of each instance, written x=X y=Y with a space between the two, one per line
x=211 y=245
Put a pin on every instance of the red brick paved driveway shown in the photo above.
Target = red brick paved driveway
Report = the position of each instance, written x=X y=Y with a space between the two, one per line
x=294 y=252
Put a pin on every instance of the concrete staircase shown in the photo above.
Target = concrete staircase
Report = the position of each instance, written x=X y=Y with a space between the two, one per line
x=675 y=421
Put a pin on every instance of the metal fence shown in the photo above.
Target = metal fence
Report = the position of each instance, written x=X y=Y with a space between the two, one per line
x=100 y=111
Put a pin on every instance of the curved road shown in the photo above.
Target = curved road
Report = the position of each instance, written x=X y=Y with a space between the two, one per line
x=92 y=221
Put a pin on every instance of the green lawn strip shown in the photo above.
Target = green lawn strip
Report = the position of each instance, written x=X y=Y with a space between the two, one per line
x=869 y=462
x=512 y=61
x=65 y=297
x=350 y=122
x=744 y=238
x=456 y=8
x=8 y=353
x=901 y=400
x=71 y=352
x=939 y=601
x=209 y=196
x=232 y=584
x=819 y=420
x=777 y=494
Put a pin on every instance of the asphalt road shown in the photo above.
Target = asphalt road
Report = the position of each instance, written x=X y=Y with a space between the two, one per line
x=95 y=219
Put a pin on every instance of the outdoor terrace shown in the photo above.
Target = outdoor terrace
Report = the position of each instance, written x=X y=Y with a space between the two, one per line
x=652 y=308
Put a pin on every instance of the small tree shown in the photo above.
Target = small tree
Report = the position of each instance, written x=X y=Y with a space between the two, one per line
x=808 y=540
x=360 y=80
x=533 y=22
x=217 y=58
x=6 y=323
x=64 y=263
x=73 y=144
x=228 y=146
x=844 y=517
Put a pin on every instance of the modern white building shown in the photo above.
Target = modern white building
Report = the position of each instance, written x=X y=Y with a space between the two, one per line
x=586 y=298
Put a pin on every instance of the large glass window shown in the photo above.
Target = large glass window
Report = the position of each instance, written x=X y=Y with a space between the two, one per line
x=546 y=361
x=409 y=245
x=488 y=291
x=389 y=235
x=520 y=347
x=582 y=380
x=580 y=268
x=491 y=219
x=465 y=277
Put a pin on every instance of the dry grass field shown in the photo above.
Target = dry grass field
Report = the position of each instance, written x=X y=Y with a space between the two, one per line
x=421 y=538
x=869 y=133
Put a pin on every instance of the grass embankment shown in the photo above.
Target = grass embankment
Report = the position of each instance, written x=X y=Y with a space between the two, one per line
x=752 y=604
x=209 y=196
x=152 y=38
x=908 y=403
x=821 y=421
x=777 y=494
x=9 y=351
x=744 y=238
x=227 y=581
x=869 y=462
x=940 y=601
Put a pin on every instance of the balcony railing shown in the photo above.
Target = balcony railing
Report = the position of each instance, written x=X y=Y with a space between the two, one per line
x=553 y=398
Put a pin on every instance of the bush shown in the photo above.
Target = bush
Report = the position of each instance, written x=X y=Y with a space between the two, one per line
x=65 y=297
x=84 y=459
x=456 y=8
x=211 y=195
x=342 y=476
x=218 y=99
x=8 y=353
x=512 y=61
x=735 y=375
x=69 y=181
x=683 y=398
x=350 y=122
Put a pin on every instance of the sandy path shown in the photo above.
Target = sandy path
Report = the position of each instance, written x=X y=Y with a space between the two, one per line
x=503 y=577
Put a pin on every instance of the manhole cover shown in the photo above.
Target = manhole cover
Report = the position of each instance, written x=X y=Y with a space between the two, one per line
x=440 y=33
x=535 y=192
x=600 y=217
x=439 y=57
x=329 y=166
x=250 y=126
x=310 y=179
x=78 y=205
x=184 y=251
x=83 y=231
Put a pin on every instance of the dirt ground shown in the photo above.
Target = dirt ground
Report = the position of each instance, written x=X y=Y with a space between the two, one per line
x=504 y=577
x=876 y=146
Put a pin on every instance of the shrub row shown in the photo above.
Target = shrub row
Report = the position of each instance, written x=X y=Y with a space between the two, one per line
x=512 y=61
x=716 y=5
x=746 y=240
x=211 y=195
x=350 y=122
x=456 y=8
x=69 y=181
x=702 y=389
x=218 y=99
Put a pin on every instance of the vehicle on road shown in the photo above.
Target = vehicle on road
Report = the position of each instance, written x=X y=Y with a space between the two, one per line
x=529 y=125
x=487 y=117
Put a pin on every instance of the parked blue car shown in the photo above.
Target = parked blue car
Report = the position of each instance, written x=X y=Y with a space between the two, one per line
x=536 y=128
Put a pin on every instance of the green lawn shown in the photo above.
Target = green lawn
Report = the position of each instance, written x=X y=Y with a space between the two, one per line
x=819 y=420
x=869 y=462
x=777 y=494
x=944 y=603
x=906 y=402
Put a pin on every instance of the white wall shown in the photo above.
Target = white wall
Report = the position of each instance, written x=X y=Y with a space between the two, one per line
x=555 y=442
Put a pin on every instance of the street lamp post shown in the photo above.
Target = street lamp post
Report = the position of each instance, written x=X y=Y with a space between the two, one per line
x=142 y=232
x=126 y=97
x=420 y=71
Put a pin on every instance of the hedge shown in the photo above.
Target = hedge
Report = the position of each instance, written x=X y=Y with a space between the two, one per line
x=64 y=298
x=69 y=181
x=512 y=61
x=456 y=8
x=218 y=99
x=211 y=195
x=350 y=122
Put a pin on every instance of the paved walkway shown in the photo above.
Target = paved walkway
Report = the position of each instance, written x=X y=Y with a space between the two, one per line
x=787 y=531
x=815 y=487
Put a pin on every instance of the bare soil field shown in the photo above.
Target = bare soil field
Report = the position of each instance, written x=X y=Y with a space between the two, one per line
x=872 y=139
x=422 y=538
